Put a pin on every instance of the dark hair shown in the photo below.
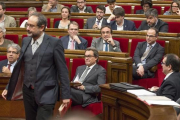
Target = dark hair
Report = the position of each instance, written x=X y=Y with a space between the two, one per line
x=66 y=7
x=149 y=2
x=156 y=30
x=108 y=26
x=73 y=23
x=42 y=20
x=177 y=2
x=151 y=12
x=95 y=52
x=173 y=60
x=101 y=7
x=119 y=11
x=3 y=5
x=111 y=1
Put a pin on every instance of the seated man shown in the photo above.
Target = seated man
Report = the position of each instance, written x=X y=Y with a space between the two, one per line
x=73 y=41
x=111 y=6
x=170 y=86
x=91 y=75
x=106 y=42
x=13 y=51
x=120 y=23
x=98 y=21
x=81 y=7
x=52 y=6
x=153 y=21
x=5 y=20
x=147 y=55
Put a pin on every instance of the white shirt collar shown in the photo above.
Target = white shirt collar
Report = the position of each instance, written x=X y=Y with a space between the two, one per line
x=152 y=44
x=39 y=40
x=91 y=66
x=81 y=11
x=119 y=25
x=13 y=63
x=168 y=75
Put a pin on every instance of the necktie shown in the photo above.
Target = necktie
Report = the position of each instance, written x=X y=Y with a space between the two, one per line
x=34 y=47
x=106 y=46
x=98 y=22
x=9 y=65
x=146 y=52
x=84 y=75
x=72 y=45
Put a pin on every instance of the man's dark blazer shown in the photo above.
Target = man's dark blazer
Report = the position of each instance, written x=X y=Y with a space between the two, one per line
x=51 y=63
x=91 y=21
x=95 y=77
x=3 y=63
x=74 y=8
x=128 y=25
x=161 y=26
x=140 y=11
x=170 y=87
x=98 y=44
x=81 y=46
x=153 y=58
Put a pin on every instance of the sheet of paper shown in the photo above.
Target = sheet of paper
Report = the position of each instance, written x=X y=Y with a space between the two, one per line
x=171 y=103
x=157 y=98
x=141 y=92
x=77 y=78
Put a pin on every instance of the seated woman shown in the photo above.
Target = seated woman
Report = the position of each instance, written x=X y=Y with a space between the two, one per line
x=30 y=11
x=65 y=14
x=145 y=4
x=111 y=6
x=174 y=9
x=4 y=42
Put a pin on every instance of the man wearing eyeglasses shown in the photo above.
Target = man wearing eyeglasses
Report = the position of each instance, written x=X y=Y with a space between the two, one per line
x=153 y=21
x=90 y=75
x=52 y=6
x=13 y=51
x=120 y=23
x=73 y=41
x=170 y=86
x=147 y=55
x=106 y=42
x=81 y=7
x=98 y=21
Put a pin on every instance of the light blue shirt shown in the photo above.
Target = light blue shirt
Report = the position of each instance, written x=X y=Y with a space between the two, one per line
x=70 y=43
x=53 y=9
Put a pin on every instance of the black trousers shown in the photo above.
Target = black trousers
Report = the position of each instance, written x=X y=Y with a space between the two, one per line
x=136 y=76
x=34 y=111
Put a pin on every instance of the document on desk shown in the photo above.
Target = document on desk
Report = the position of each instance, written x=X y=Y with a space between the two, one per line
x=155 y=102
x=141 y=92
x=156 y=98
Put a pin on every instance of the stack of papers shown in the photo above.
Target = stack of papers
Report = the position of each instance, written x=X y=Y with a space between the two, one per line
x=141 y=92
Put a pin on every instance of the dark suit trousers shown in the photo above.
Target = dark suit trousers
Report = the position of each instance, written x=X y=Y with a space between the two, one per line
x=136 y=76
x=32 y=109
x=77 y=96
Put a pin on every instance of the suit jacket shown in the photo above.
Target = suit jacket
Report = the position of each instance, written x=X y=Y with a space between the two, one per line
x=140 y=11
x=98 y=44
x=59 y=7
x=128 y=25
x=9 y=21
x=74 y=8
x=91 y=21
x=153 y=58
x=94 y=78
x=161 y=26
x=3 y=63
x=81 y=46
x=51 y=64
x=170 y=87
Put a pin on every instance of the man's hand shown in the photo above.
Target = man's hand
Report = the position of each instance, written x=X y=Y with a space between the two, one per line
x=65 y=102
x=4 y=93
x=154 y=88
x=76 y=38
x=49 y=6
x=110 y=40
x=95 y=26
x=140 y=71
x=178 y=12
x=112 y=16
x=5 y=70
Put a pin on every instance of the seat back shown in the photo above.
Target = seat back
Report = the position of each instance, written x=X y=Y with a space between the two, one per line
x=166 y=8
x=123 y=43
x=25 y=9
x=158 y=8
x=127 y=8
x=174 y=27
x=67 y=62
x=14 y=38
x=22 y=19
x=137 y=23
x=89 y=39
x=137 y=8
x=3 y=57
x=93 y=7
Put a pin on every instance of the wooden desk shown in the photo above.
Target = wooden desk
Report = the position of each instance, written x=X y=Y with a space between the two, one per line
x=125 y=106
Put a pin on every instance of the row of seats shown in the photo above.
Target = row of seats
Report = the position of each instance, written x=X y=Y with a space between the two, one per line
x=128 y=8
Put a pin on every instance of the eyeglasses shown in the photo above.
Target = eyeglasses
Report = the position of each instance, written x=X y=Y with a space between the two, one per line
x=73 y=29
x=146 y=6
x=80 y=2
x=162 y=63
x=175 y=6
x=13 y=52
x=107 y=32
x=150 y=36
x=30 y=25
x=88 y=56
x=98 y=12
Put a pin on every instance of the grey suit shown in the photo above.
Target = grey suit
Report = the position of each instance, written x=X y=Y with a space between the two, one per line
x=9 y=21
x=91 y=21
x=153 y=58
x=88 y=9
x=98 y=44
x=95 y=77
